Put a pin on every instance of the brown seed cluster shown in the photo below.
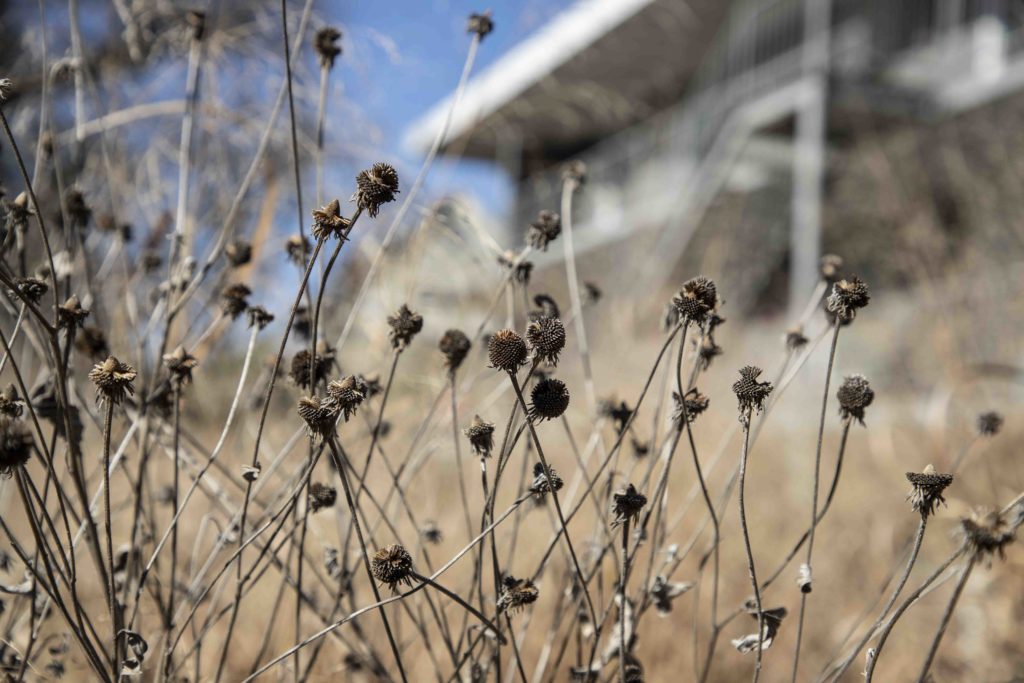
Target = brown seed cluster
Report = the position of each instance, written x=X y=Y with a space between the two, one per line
x=854 y=394
x=548 y=399
x=346 y=394
x=319 y=415
x=328 y=221
x=113 y=380
x=627 y=505
x=751 y=393
x=404 y=326
x=454 y=346
x=506 y=350
x=238 y=253
x=481 y=436
x=696 y=300
x=547 y=338
x=325 y=42
x=848 y=297
x=988 y=532
x=542 y=484
x=480 y=24
x=15 y=445
x=928 y=486
x=989 y=423
x=544 y=229
x=70 y=314
x=375 y=187
x=321 y=496
x=516 y=594
x=235 y=299
x=392 y=566
x=691 y=405
x=301 y=361
x=831 y=267
x=180 y=363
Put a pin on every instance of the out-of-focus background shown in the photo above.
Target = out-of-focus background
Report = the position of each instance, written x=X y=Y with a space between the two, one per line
x=742 y=140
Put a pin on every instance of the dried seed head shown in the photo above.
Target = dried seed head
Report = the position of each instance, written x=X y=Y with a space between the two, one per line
x=696 y=300
x=480 y=24
x=548 y=307
x=591 y=293
x=328 y=221
x=238 y=253
x=71 y=314
x=795 y=339
x=831 y=266
x=299 y=372
x=259 y=317
x=321 y=496
x=634 y=673
x=15 y=445
x=708 y=351
x=30 y=288
x=989 y=423
x=544 y=230
x=506 y=350
x=392 y=566
x=319 y=415
x=988 y=533
x=694 y=403
x=235 y=299
x=346 y=394
x=303 y=324
x=375 y=187
x=542 y=483
x=855 y=394
x=370 y=385
x=180 y=363
x=113 y=380
x=928 y=485
x=640 y=448
x=454 y=346
x=804 y=579
x=575 y=172
x=627 y=505
x=297 y=247
x=847 y=297
x=11 y=404
x=516 y=594
x=618 y=412
x=431 y=532
x=77 y=208
x=547 y=337
x=404 y=326
x=325 y=42
x=17 y=212
x=6 y=88
x=481 y=436
x=771 y=619
x=92 y=342
x=751 y=393
x=664 y=592
x=549 y=399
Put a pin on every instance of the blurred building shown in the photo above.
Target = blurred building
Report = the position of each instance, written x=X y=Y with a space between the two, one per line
x=672 y=102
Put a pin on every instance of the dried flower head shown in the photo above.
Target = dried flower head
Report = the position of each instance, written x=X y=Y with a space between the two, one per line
x=301 y=361
x=113 y=380
x=928 y=485
x=547 y=338
x=31 y=289
x=830 y=267
x=989 y=423
x=235 y=299
x=303 y=324
x=506 y=350
x=15 y=445
x=544 y=230
x=238 y=253
x=71 y=314
x=545 y=482
x=988 y=532
x=11 y=404
x=431 y=532
x=691 y=405
x=575 y=172
x=92 y=342
x=259 y=317
x=297 y=247
x=771 y=621
x=664 y=592
x=751 y=393
x=392 y=566
x=404 y=326
x=708 y=351
x=847 y=297
x=76 y=207
x=549 y=399
x=346 y=394
x=325 y=42
x=370 y=385
x=618 y=412
x=696 y=300
x=454 y=345
x=480 y=24
x=180 y=363
x=321 y=496
x=795 y=338
x=516 y=594
x=17 y=212
x=854 y=394
x=319 y=415
x=591 y=293
x=627 y=505
x=6 y=88
x=481 y=436
x=375 y=187
x=328 y=221
x=548 y=307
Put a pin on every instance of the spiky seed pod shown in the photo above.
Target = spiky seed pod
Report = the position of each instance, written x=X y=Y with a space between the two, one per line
x=113 y=380
x=696 y=300
x=71 y=314
x=17 y=212
x=235 y=299
x=694 y=402
x=618 y=412
x=795 y=338
x=516 y=594
x=634 y=673
x=303 y=324
x=259 y=317
x=319 y=415
x=854 y=394
x=431 y=533
x=575 y=172
x=926 y=494
x=831 y=267
x=547 y=338
x=549 y=399
x=708 y=351
x=92 y=342
x=11 y=404
x=454 y=345
x=15 y=445
x=328 y=221
x=346 y=394
x=847 y=297
x=375 y=187
x=321 y=496
x=392 y=566
x=325 y=42
x=31 y=289
x=988 y=533
x=238 y=253
x=481 y=436
x=298 y=248
x=299 y=371
x=77 y=208
x=404 y=326
x=627 y=505
x=541 y=485
x=544 y=230
x=180 y=363
x=506 y=350
x=751 y=393
x=989 y=423
x=480 y=24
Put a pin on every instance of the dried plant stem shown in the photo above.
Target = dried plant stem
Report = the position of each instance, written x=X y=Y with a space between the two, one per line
x=108 y=420
x=455 y=598
x=946 y=616
x=569 y=186
x=745 y=421
x=458 y=457
x=622 y=601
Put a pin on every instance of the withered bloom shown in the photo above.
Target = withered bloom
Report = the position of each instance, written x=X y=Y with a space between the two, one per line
x=303 y=324
x=180 y=363
x=751 y=393
x=855 y=394
x=370 y=385
x=516 y=594
x=299 y=372
x=17 y=211
x=259 y=317
x=375 y=187
x=31 y=289
x=664 y=592
x=238 y=253
x=11 y=404
x=297 y=247
x=771 y=619
x=575 y=172
x=77 y=208
x=694 y=403
x=795 y=338
x=696 y=300
x=481 y=436
x=544 y=230
x=321 y=496
x=988 y=533
x=591 y=293
x=989 y=423
x=234 y=298
x=506 y=350
x=480 y=24
x=325 y=42
x=831 y=266
x=627 y=505
x=431 y=533
x=319 y=415
x=708 y=351
x=549 y=399
x=346 y=394
x=926 y=496
x=328 y=221
x=547 y=337
x=71 y=314
x=392 y=566
x=404 y=326
x=548 y=306
x=113 y=380
x=541 y=484
x=619 y=413
x=847 y=297
x=15 y=445
x=454 y=346
x=92 y=342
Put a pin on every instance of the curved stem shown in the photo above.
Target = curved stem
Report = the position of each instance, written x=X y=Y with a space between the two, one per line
x=746 y=544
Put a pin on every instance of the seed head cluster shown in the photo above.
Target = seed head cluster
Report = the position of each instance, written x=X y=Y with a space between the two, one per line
x=548 y=399
x=113 y=380
x=627 y=505
x=848 y=297
x=696 y=300
x=928 y=486
x=506 y=350
x=751 y=393
x=454 y=346
x=547 y=339
x=481 y=436
x=375 y=187
x=404 y=326
x=516 y=594
x=541 y=484
x=988 y=532
x=691 y=405
x=15 y=445
x=392 y=566
x=854 y=394
x=544 y=230
x=321 y=496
